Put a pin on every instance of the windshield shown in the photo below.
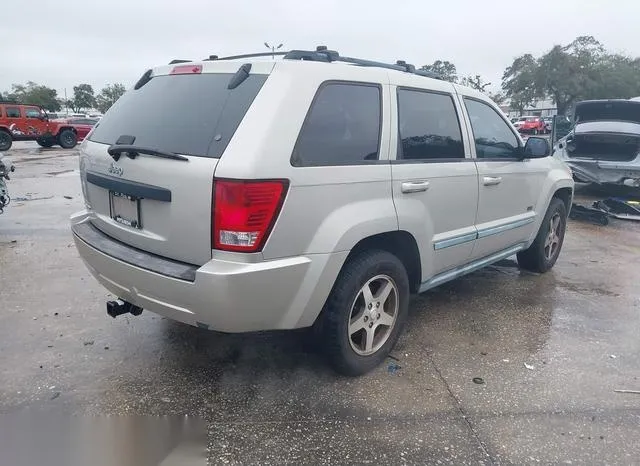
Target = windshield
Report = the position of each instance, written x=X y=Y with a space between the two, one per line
x=184 y=114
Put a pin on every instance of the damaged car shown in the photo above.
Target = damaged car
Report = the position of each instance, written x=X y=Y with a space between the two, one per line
x=602 y=144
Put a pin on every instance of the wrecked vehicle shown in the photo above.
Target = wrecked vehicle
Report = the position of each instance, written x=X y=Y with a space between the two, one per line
x=5 y=168
x=603 y=143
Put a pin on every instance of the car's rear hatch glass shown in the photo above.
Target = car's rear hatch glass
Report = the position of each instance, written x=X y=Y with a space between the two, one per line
x=186 y=114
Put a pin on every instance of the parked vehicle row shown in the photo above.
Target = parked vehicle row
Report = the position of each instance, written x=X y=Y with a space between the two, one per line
x=307 y=192
x=20 y=122
x=531 y=124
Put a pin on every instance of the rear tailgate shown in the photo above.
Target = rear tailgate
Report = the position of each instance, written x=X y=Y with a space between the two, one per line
x=156 y=204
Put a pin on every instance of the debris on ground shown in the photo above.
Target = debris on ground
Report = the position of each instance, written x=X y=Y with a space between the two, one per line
x=635 y=392
x=580 y=212
x=392 y=368
x=613 y=356
x=529 y=366
x=478 y=380
x=600 y=211
x=68 y=197
x=55 y=395
x=88 y=343
x=624 y=209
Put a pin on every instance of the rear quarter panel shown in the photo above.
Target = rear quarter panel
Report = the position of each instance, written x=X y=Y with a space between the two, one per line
x=327 y=209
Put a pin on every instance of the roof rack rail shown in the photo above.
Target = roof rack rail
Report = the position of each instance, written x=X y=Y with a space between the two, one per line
x=247 y=55
x=323 y=54
x=173 y=62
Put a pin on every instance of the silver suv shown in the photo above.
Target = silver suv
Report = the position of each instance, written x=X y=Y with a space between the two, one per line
x=238 y=194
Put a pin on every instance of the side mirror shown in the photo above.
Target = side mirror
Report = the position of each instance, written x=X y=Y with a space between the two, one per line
x=536 y=148
x=43 y=117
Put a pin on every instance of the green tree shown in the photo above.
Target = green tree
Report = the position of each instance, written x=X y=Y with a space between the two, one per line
x=444 y=68
x=519 y=82
x=108 y=96
x=580 y=70
x=498 y=97
x=475 y=82
x=36 y=94
x=83 y=98
x=566 y=74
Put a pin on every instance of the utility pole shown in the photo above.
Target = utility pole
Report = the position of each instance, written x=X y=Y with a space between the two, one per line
x=273 y=49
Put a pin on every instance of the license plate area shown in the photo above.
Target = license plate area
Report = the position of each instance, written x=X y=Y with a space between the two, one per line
x=125 y=209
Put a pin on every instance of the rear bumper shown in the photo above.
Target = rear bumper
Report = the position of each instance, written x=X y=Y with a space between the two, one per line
x=220 y=295
x=606 y=172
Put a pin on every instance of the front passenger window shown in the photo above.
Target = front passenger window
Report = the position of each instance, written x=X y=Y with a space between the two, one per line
x=492 y=135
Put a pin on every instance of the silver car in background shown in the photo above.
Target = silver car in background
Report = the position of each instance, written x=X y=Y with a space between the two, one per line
x=603 y=143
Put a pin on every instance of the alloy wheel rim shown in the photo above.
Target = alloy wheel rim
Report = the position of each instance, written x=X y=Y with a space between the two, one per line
x=552 y=241
x=373 y=315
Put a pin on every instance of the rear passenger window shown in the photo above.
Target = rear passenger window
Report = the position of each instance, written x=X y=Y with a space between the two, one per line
x=428 y=126
x=13 y=112
x=342 y=126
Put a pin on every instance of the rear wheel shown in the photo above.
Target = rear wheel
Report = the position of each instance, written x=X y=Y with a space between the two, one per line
x=67 y=139
x=5 y=140
x=45 y=143
x=365 y=312
x=543 y=253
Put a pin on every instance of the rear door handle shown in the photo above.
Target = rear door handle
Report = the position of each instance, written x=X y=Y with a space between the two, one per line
x=492 y=180
x=414 y=186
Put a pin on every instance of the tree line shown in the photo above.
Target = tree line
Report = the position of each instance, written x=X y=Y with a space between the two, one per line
x=83 y=97
x=566 y=74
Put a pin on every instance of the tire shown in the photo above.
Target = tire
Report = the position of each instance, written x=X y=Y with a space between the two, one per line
x=6 y=141
x=537 y=258
x=45 y=143
x=347 y=352
x=67 y=139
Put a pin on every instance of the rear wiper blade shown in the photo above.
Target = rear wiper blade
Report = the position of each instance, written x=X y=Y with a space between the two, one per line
x=115 y=150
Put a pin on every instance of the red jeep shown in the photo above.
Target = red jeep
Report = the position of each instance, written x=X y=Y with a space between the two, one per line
x=30 y=123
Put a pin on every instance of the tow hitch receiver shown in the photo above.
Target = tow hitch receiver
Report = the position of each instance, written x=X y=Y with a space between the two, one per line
x=116 y=308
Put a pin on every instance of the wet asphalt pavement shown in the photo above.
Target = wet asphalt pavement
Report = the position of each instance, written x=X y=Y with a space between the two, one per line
x=549 y=349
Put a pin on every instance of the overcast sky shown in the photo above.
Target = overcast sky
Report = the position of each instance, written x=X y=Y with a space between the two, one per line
x=61 y=43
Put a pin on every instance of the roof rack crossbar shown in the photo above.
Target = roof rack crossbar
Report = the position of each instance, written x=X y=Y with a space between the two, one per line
x=177 y=60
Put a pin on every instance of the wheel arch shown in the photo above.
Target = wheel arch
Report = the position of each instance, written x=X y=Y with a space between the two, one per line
x=565 y=194
x=64 y=128
x=401 y=244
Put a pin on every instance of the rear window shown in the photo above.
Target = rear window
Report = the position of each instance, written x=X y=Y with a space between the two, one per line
x=342 y=126
x=186 y=114
x=608 y=111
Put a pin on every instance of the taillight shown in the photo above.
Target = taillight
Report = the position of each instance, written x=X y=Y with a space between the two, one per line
x=244 y=213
